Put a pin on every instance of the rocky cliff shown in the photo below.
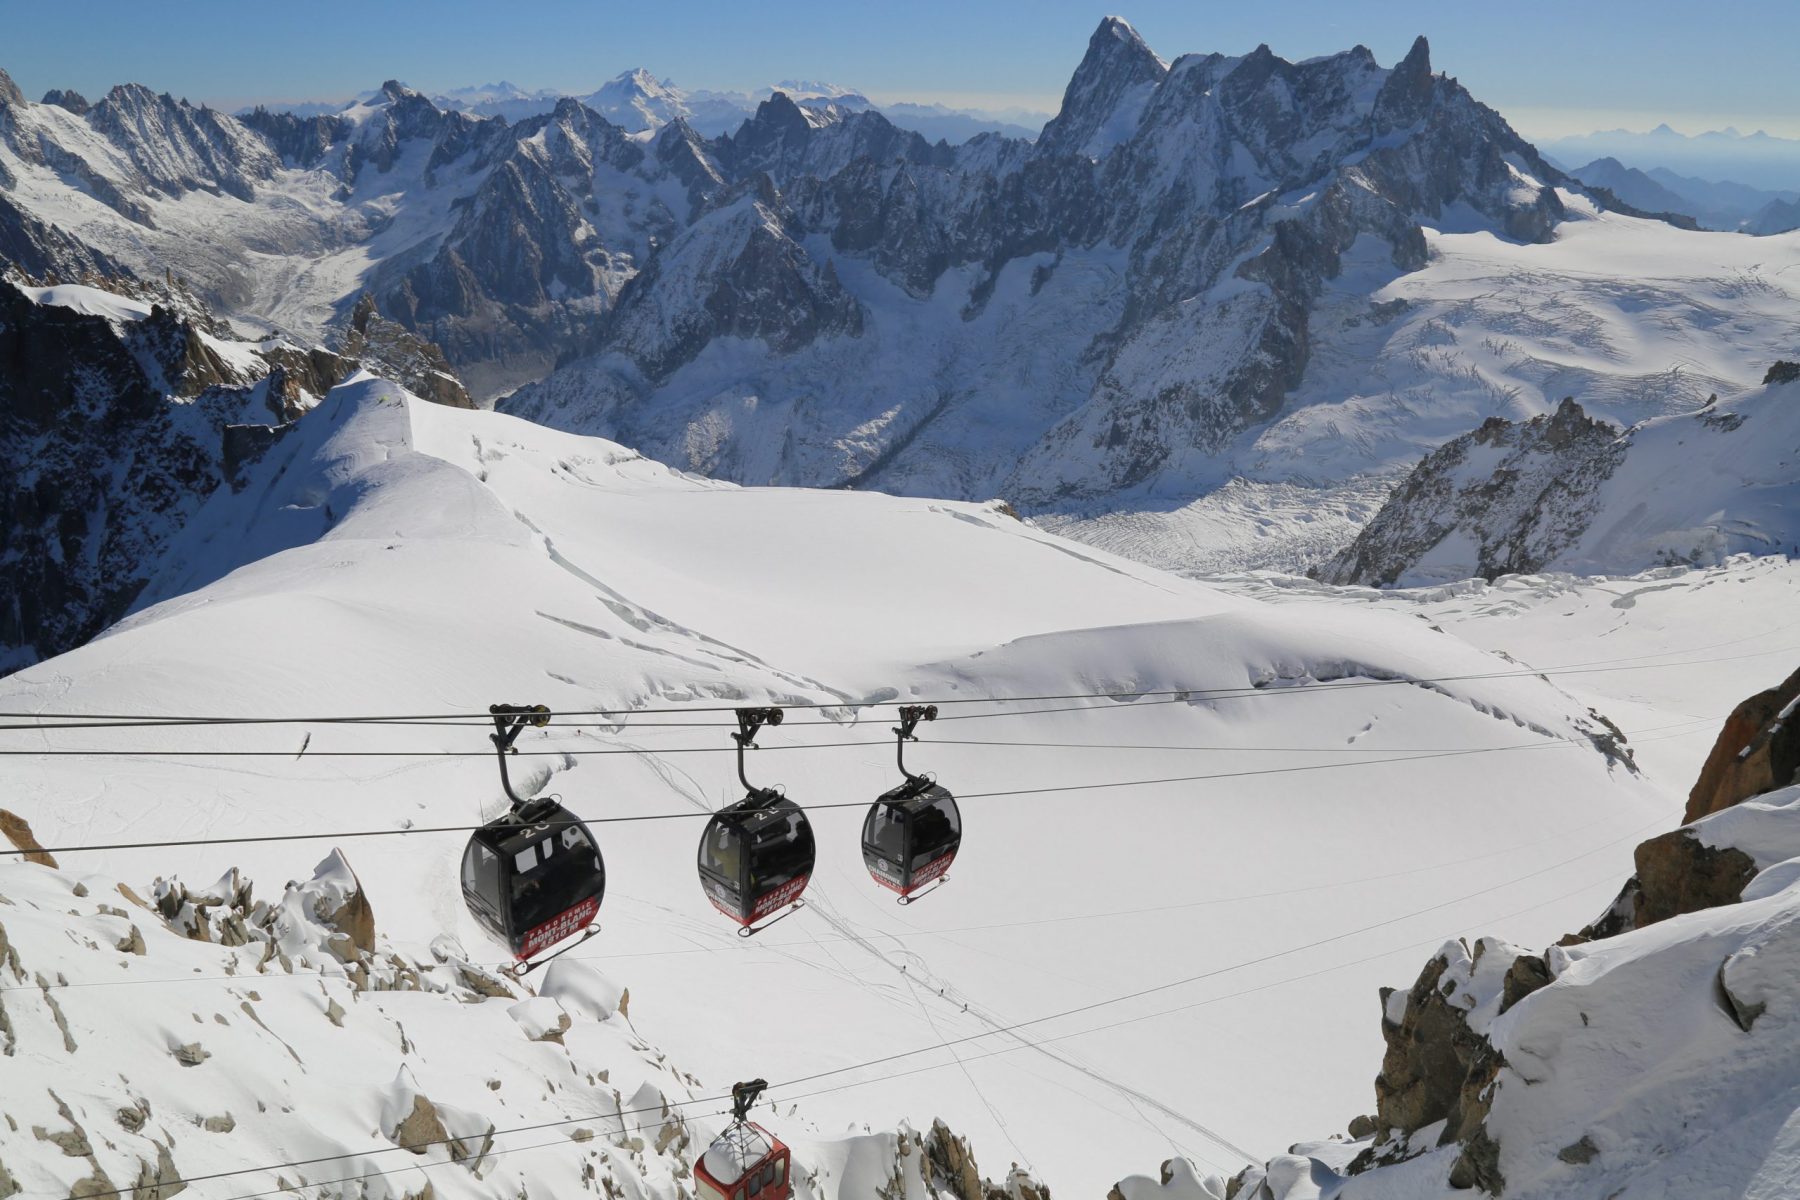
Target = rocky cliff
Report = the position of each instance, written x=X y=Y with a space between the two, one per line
x=122 y=406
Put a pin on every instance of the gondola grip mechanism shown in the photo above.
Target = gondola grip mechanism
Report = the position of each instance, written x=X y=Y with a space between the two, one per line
x=749 y=721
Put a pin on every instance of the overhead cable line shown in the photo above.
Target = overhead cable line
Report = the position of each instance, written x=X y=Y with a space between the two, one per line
x=260 y=978
x=34 y=721
x=701 y=814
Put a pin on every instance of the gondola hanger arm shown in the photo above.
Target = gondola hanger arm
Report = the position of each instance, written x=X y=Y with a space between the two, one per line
x=910 y=716
x=749 y=721
x=510 y=720
x=743 y=1095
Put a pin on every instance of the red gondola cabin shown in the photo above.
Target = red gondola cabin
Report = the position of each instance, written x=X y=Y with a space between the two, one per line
x=746 y=1162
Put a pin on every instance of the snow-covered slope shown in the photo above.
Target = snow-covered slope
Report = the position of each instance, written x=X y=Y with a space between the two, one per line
x=212 y=1041
x=1569 y=493
x=389 y=556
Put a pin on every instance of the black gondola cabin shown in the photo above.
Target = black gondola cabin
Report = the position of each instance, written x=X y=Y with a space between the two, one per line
x=911 y=836
x=756 y=856
x=534 y=876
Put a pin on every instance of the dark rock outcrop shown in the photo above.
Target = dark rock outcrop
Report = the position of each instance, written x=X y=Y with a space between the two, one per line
x=68 y=99
x=17 y=830
x=43 y=251
x=390 y=350
x=1677 y=873
x=116 y=425
x=1514 y=492
x=1757 y=751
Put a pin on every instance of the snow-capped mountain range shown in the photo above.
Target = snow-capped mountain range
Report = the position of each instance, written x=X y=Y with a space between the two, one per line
x=1215 y=295
x=638 y=101
x=1759 y=159
x=1215 y=287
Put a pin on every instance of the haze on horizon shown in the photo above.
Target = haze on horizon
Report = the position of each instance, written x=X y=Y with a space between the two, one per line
x=1553 y=69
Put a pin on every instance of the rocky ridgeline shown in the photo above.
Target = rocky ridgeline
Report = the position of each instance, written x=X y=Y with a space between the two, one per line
x=1231 y=187
x=267 y=1031
x=1178 y=220
x=1629 y=1051
x=392 y=351
x=126 y=402
x=1567 y=492
x=1513 y=495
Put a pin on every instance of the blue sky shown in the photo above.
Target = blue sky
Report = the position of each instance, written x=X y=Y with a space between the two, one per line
x=1553 y=68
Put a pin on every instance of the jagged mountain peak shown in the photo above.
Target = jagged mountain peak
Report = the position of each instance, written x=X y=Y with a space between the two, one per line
x=1418 y=57
x=777 y=120
x=640 y=77
x=395 y=92
x=1408 y=91
x=780 y=108
x=133 y=96
x=1107 y=94
x=67 y=98
x=1117 y=29
x=9 y=91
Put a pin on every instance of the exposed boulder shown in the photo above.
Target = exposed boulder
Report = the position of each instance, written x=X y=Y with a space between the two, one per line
x=1756 y=752
x=17 y=830
x=1677 y=873
x=1436 y=1041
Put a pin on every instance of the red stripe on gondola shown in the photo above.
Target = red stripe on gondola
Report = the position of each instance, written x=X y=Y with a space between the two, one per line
x=786 y=894
x=930 y=871
x=565 y=924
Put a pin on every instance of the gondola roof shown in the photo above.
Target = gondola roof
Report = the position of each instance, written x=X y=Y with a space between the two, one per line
x=735 y=1151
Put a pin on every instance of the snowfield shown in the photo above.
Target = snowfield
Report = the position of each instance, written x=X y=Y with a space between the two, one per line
x=1285 y=846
